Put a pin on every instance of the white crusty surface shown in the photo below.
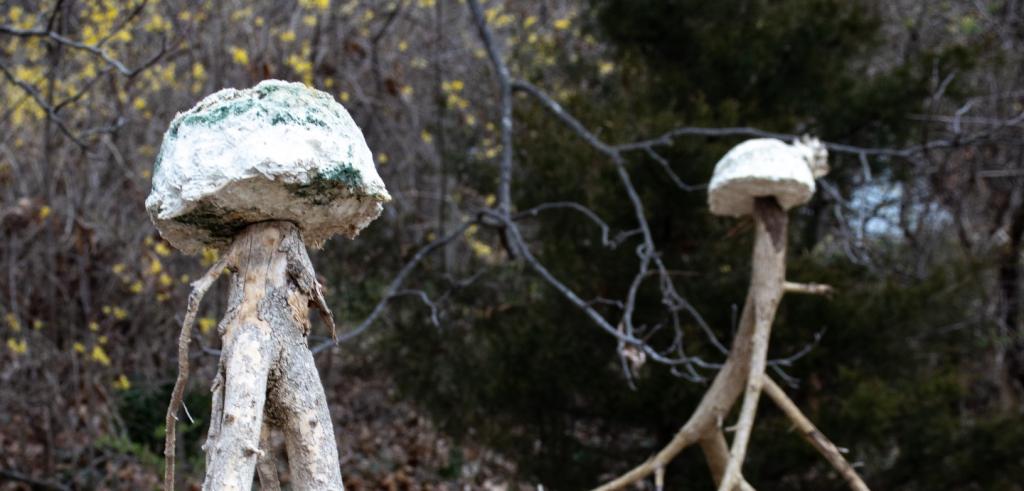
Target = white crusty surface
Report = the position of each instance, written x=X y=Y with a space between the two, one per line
x=277 y=151
x=765 y=167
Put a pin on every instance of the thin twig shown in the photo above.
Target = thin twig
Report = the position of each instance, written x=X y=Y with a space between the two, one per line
x=394 y=286
x=199 y=288
x=808 y=288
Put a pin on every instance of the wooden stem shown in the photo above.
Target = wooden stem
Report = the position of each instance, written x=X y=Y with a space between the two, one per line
x=766 y=287
x=266 y=466
x=716 y=451
x=769 y=272
x=266 y=369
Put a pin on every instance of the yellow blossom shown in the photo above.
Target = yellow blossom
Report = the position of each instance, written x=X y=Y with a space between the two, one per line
x=343 y=96
x=315 y=4
x=119 y=313
x=210 y=256
x=407 y=90
x=118 y=268
x=94 y=326
x=206 y=323
x=102 y=339
x=44 y=211
x=38 y=324
x=368 y=16
x=162 y=297
x=562 y=24
x=136 y=287
x=78 y=347
x=106 y=310
x=155 y=266
x=529 y=21
x=402 y=46
x=287 y=36
x=16 y=346
x=480 y=249
x=100 y=356
x=605 y=67
x=162 y=249
x=426 y=137
x=489 y=200
x=157 y=24
x=123 y=35
x=139 y=103
x=427 y=3
x=198 y=71
x=122 y=383
x=184 y=278
x=239 y=55
x=166 y=280
x=470 y=120
x=309 y=20
x=382 y=158
x=13 y=322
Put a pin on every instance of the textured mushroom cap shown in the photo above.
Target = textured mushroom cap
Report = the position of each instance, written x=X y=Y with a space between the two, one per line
x=766 y=167
x=277 y=151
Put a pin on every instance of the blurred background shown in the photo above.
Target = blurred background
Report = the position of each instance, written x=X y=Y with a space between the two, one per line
x=478 y=373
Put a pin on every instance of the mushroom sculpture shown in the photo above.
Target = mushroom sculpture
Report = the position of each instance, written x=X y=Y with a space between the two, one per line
x=259 y=174
x=762 y=178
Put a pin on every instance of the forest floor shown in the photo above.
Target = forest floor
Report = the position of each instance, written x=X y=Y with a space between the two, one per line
x=384 y=443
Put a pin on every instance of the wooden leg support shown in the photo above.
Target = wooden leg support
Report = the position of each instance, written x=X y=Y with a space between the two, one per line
x=267 y=377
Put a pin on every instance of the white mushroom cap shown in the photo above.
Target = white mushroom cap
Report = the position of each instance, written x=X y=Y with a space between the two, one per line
x=277 y=151
x=766 y=167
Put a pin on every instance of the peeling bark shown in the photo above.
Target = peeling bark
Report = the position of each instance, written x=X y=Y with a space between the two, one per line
x=266 y=377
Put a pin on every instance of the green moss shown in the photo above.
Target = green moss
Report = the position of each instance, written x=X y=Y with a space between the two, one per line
x=276 y=103
x=220 y=223
x=327 y=186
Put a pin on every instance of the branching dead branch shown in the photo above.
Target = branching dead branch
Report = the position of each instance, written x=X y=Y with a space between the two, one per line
x=199 y=288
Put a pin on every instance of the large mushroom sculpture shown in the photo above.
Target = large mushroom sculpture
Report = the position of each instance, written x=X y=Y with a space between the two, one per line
x=761 y=178
x=259 y=174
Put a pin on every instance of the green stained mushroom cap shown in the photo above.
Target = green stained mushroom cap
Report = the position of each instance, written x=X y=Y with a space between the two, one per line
x=276 y=151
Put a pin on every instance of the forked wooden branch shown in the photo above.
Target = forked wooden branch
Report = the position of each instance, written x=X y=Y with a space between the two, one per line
x=266 y=378
x=744 y=372
x=716 y=452
x=768 y=274
x=766 y=289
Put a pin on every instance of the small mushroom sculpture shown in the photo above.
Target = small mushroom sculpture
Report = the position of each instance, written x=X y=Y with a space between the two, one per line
x=259 y=174
x=762 y=178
